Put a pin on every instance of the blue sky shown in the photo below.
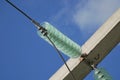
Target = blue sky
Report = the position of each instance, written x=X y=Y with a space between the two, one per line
x=25 y=56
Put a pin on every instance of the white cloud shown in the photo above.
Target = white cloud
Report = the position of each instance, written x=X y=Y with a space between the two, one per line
x=87 y=14
x=94 y=12
x=64 y=14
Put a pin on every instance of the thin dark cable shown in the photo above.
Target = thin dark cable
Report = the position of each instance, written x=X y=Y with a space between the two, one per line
x=32 y=20
x=19 y=10
x=59 y=53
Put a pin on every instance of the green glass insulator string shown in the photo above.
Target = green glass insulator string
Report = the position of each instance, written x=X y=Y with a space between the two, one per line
x=62 y=42
x=101 y=74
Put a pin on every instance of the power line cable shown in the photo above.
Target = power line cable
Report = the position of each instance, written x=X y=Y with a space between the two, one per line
x=19 y=10
x=32 y=20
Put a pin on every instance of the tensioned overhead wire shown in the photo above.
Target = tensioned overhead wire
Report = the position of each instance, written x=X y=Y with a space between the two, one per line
x=19 y=10
x=38 y=25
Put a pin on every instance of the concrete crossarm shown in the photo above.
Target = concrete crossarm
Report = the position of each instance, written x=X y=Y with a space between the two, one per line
x=97 y=47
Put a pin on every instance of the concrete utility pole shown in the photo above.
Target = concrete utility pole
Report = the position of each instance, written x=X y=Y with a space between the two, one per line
x=97 y=47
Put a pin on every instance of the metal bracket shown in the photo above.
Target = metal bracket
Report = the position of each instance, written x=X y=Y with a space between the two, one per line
x=90 y=62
